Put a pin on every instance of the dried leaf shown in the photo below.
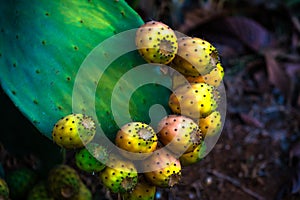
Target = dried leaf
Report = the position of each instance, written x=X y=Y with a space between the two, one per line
x=277 y=75
x=251 y=120
x=251 y=33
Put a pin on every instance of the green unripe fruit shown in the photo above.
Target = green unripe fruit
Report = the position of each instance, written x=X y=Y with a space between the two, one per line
x=4 y=190
x=63 y=182
x=39 y=192
x=92 y=158
x=84 y=193
x=20 y=181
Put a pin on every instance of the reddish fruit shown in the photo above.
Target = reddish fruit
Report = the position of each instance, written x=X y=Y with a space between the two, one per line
x=180 y=134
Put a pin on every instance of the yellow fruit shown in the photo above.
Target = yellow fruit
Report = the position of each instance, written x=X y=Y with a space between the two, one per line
x=194 y=100
x=120 y=175
x=210 y=125
x=162 y=169
x=156 y=42
x=194 y=156
x=74 y=131
x=138 y=138
x=195 y=57
x=142 y=191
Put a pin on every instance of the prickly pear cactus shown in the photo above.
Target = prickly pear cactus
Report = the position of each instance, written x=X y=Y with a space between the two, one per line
x=42 y=46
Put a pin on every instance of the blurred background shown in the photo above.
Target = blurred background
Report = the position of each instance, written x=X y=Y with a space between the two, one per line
x=257 y=155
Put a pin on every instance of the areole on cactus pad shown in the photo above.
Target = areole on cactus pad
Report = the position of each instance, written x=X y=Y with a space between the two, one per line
x=42 y=46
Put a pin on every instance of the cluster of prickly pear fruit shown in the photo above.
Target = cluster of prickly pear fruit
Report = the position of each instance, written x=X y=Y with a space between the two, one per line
x=160 y=152
x=198 y=74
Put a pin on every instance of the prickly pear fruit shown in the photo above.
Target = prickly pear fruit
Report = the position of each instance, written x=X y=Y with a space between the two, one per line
x=39 y=191
x=214 y=77
x=211 y=125
x=142 y=191
x=20 y=181
x=4 y=190
x=193 y=157
x=179 y=133
x=74 y=131
x=156 y=42
x=120 y=175
x=195 y=56
x=63 y=182
x=162 y=169
x=91 y=158
x=136 y=137
x=84 y=193
x=193 y=100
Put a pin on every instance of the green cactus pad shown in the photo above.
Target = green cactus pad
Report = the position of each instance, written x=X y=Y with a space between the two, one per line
x=44 y=43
